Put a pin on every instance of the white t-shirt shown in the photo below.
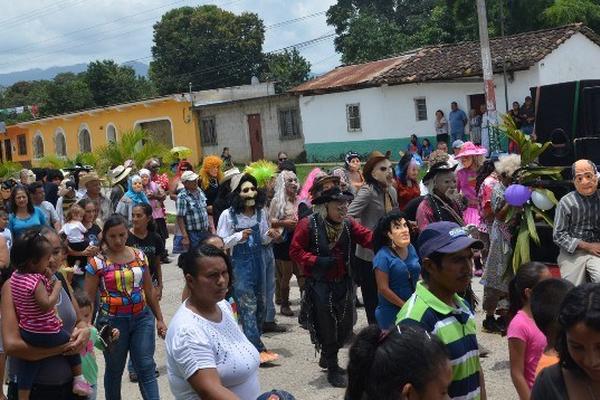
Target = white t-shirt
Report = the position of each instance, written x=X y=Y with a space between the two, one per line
x=195 y=343
x=74 y=231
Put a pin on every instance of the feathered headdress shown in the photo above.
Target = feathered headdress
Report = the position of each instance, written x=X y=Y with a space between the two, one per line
x=263 y=171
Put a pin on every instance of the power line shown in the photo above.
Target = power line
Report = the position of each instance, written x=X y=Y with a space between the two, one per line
x=90 y=27
x=94 y=41
x=40 y=12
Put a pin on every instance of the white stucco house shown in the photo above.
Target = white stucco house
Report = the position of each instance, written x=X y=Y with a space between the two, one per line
x=252 y=120
x=378 y=105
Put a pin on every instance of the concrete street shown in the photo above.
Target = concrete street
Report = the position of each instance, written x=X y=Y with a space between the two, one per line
x=297 y=371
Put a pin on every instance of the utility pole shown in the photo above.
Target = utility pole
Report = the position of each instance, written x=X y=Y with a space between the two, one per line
x=488 y=76
x=504 y=57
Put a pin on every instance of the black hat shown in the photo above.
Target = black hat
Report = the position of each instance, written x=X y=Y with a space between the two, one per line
x=333 y=194
x=438 y=168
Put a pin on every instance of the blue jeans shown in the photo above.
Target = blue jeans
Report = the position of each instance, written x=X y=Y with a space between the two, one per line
x=269 y=282
x=137 y=338
x=28 y=370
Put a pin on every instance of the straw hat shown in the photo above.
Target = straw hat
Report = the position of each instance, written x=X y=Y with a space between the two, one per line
x=119 y=173
x=88 y=177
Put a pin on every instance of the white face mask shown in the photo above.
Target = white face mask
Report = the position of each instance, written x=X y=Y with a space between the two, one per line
x=248 y=192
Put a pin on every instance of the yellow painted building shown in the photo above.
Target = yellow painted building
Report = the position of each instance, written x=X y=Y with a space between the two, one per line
x=169 y=119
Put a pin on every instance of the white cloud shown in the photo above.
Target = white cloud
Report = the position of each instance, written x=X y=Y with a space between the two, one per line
x=47 y=33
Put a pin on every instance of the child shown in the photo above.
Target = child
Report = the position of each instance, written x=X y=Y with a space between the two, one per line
x=545 y=301
x=4 y=231
x=35 y=295
x=74 y=230
x=526 y=342
x=67 y=198
x=88 y=358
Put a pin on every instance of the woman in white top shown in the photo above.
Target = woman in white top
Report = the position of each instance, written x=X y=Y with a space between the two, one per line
x=208 y=355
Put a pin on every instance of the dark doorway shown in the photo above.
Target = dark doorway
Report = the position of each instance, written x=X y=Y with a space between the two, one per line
x=255 y=132
x=475 y=102
x=7 y=150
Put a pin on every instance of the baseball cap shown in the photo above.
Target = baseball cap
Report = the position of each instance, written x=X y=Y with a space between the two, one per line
x=457 y=144
x=445 y=237
x=188 y=176
x=276 y=395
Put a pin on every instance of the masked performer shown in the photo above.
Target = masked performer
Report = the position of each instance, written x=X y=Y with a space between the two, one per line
x=244 y=229
x=444 y=202
x=374 y=199
x=283 y=213
x=322 y=246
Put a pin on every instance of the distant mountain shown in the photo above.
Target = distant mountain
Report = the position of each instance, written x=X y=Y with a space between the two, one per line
x=49 y=73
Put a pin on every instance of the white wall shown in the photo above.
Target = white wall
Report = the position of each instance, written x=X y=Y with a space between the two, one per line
x=231 y=122
x=389 y=112
x=576 y=59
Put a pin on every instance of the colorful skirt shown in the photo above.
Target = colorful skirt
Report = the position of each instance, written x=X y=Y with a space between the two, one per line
x=471 y=216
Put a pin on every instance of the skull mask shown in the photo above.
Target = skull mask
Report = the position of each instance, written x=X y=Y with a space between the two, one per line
x=248 y=192
x=382 y=172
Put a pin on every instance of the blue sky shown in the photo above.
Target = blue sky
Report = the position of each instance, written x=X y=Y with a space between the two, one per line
x=45 y=33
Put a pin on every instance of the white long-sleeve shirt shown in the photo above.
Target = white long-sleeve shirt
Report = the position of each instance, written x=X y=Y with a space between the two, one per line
x=231 y=238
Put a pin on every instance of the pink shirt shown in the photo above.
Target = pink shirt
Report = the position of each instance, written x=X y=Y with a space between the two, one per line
x=522 y=327
x=158 y=210
x=31 y=317
x=465 y=183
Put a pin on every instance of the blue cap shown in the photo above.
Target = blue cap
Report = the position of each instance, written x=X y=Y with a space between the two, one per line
x=276 y=395
x=445 y=237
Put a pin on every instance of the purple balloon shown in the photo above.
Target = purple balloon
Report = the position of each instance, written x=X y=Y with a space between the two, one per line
x=517 y=195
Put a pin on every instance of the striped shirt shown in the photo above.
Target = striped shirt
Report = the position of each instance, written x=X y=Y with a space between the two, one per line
x=577 y=218
x=456 y=328
x=30 y=315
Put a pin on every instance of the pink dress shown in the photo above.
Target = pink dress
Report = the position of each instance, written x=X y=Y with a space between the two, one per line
x=465 y=182
x=522 y=327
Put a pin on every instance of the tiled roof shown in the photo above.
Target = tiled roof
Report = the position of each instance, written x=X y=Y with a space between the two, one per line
x=445 y=62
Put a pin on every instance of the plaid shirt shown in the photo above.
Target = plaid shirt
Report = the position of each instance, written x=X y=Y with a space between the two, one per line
x=192 y=208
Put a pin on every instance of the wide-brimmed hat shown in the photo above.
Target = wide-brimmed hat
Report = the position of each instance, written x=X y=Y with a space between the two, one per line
x=445 y=237
x=119 y=173
x=188 y=176
x=374 y=158
x=321 y=181
x=437 y=169
x=84 y=179
x=470 y=149
x=333 y=194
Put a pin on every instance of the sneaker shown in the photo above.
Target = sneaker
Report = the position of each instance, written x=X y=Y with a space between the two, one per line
x=133 y=377
x=336 y=378
x=82 y=388
x=273 y=327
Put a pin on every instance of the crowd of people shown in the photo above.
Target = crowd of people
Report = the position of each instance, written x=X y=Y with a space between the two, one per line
x=81 y=267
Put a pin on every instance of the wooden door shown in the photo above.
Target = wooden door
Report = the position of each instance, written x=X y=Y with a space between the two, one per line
x=255 y=132
x=8 y=149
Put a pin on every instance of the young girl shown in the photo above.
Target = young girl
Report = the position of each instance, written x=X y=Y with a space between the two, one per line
x=35 y=296
x=526 y=342
x=471 y=157
x=88 y=358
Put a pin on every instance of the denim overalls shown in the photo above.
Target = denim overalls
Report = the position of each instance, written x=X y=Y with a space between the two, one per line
x=248 y=281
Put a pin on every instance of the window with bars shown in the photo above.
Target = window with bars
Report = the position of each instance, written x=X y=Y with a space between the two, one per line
x=353 y=117
x=22 y=144
x=289 y=124
x=421 y=109
x=208 y=131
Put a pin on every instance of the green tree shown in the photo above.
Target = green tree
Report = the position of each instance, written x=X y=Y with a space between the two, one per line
x=206 y=46
x=372 y=29
x=111 y=83
x=288 y=68
x=68 y=92
x=569 y=11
